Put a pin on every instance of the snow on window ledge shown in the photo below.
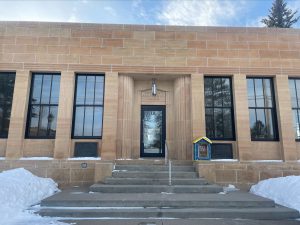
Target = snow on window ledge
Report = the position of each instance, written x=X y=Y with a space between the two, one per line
x=224 y=160
x=278 y=161
x=84 y=158
x=36 y=158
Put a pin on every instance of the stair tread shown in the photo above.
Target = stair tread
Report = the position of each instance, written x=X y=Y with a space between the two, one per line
x=141 y=178
x=96 y=196
x=133 y=171
x=180 y=210
x=261 y=213
x=153 y=185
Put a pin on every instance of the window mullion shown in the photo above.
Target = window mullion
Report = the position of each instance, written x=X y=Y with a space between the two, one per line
x=84 y=107
x=297 y=111
x=264 y=107
x=95 y=78
x=213 y=106
x=40 y=107
x=48 y=125
x=296 y=92
x=253 y=81
x=222 y=97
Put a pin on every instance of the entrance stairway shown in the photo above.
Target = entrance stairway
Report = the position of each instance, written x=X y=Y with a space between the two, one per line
x=140 y=189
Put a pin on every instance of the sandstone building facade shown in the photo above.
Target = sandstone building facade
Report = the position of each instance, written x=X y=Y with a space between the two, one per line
x=66 y=87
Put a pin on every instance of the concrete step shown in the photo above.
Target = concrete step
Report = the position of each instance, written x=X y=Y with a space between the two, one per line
x=145 y=181
x=236 y=200
x=153 y=175
x=106 y=188
x=278 y=213
x=151 y=168
x=153 y=162
x=168 y=221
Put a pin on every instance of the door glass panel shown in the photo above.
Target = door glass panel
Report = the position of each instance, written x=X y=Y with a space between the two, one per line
x=152 y=132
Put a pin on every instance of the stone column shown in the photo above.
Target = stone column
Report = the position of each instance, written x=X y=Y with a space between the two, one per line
x=241 y=112
x=18 y=116
x=110 y=117
x=64 y=118
x=182 y=117
x=285 y=118
x=198 y=106
x=125 y=115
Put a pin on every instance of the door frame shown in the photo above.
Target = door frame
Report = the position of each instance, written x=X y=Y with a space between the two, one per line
x=153 y=108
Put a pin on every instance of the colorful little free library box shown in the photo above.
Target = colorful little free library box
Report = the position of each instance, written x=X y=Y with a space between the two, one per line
x=202 y=148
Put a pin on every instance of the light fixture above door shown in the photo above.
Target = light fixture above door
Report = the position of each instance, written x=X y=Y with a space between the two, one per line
x=154 y=87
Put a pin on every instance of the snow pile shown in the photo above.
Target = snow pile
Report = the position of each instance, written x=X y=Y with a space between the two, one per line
x=229 y=188
x=19 y=190
x=283 y=190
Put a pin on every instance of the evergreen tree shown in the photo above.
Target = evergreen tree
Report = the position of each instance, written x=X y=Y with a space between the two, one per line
x=280 y=15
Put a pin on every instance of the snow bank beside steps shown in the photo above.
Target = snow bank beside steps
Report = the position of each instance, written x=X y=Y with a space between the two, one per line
x=20 y=189
x=283 y=190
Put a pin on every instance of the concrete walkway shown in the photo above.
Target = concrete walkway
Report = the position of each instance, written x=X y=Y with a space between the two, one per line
x=182 y=222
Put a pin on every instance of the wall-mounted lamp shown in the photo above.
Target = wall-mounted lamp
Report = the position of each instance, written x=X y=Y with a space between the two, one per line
x=154 y=88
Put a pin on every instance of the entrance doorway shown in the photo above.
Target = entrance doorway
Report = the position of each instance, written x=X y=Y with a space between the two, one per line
x=153 y=130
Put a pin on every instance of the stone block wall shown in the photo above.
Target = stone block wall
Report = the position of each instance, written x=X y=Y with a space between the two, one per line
x=64 y=172
x=244 y=174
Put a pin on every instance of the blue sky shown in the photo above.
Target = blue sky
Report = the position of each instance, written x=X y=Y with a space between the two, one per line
x=170 y=12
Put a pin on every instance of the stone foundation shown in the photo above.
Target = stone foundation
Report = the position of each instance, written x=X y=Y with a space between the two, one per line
x=86 y=172
x=244 y=174
x=64 y=172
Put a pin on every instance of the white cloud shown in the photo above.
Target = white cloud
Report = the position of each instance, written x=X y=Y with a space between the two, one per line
x=73 y=17
x=136 y=3
x=139 y=10
x=36 y=11
x=200 y=12
x=110 y=10
x=256 y=22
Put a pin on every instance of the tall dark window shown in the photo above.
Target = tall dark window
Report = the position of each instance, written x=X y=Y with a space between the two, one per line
x=295 y=99
x=88 y=106
x=219 y=108
x=262 y=110
x=7 y=82
x=43 y=106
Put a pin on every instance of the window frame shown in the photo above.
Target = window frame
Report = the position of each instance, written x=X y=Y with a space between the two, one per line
x=84 y=105
x=8 y=74
x=297 y=108
x=27 y=136
x=221 y=107
x=273 y=109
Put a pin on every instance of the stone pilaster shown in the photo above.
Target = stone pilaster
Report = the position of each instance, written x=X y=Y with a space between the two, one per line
x=285 y=118
x=241 y=112
x=64 y=117
x=18 y=116
x=198 y=105
x=109 y=135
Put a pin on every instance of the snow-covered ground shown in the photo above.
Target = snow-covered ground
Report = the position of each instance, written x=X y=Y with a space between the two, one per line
x=19 y=190
x=283 y=190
